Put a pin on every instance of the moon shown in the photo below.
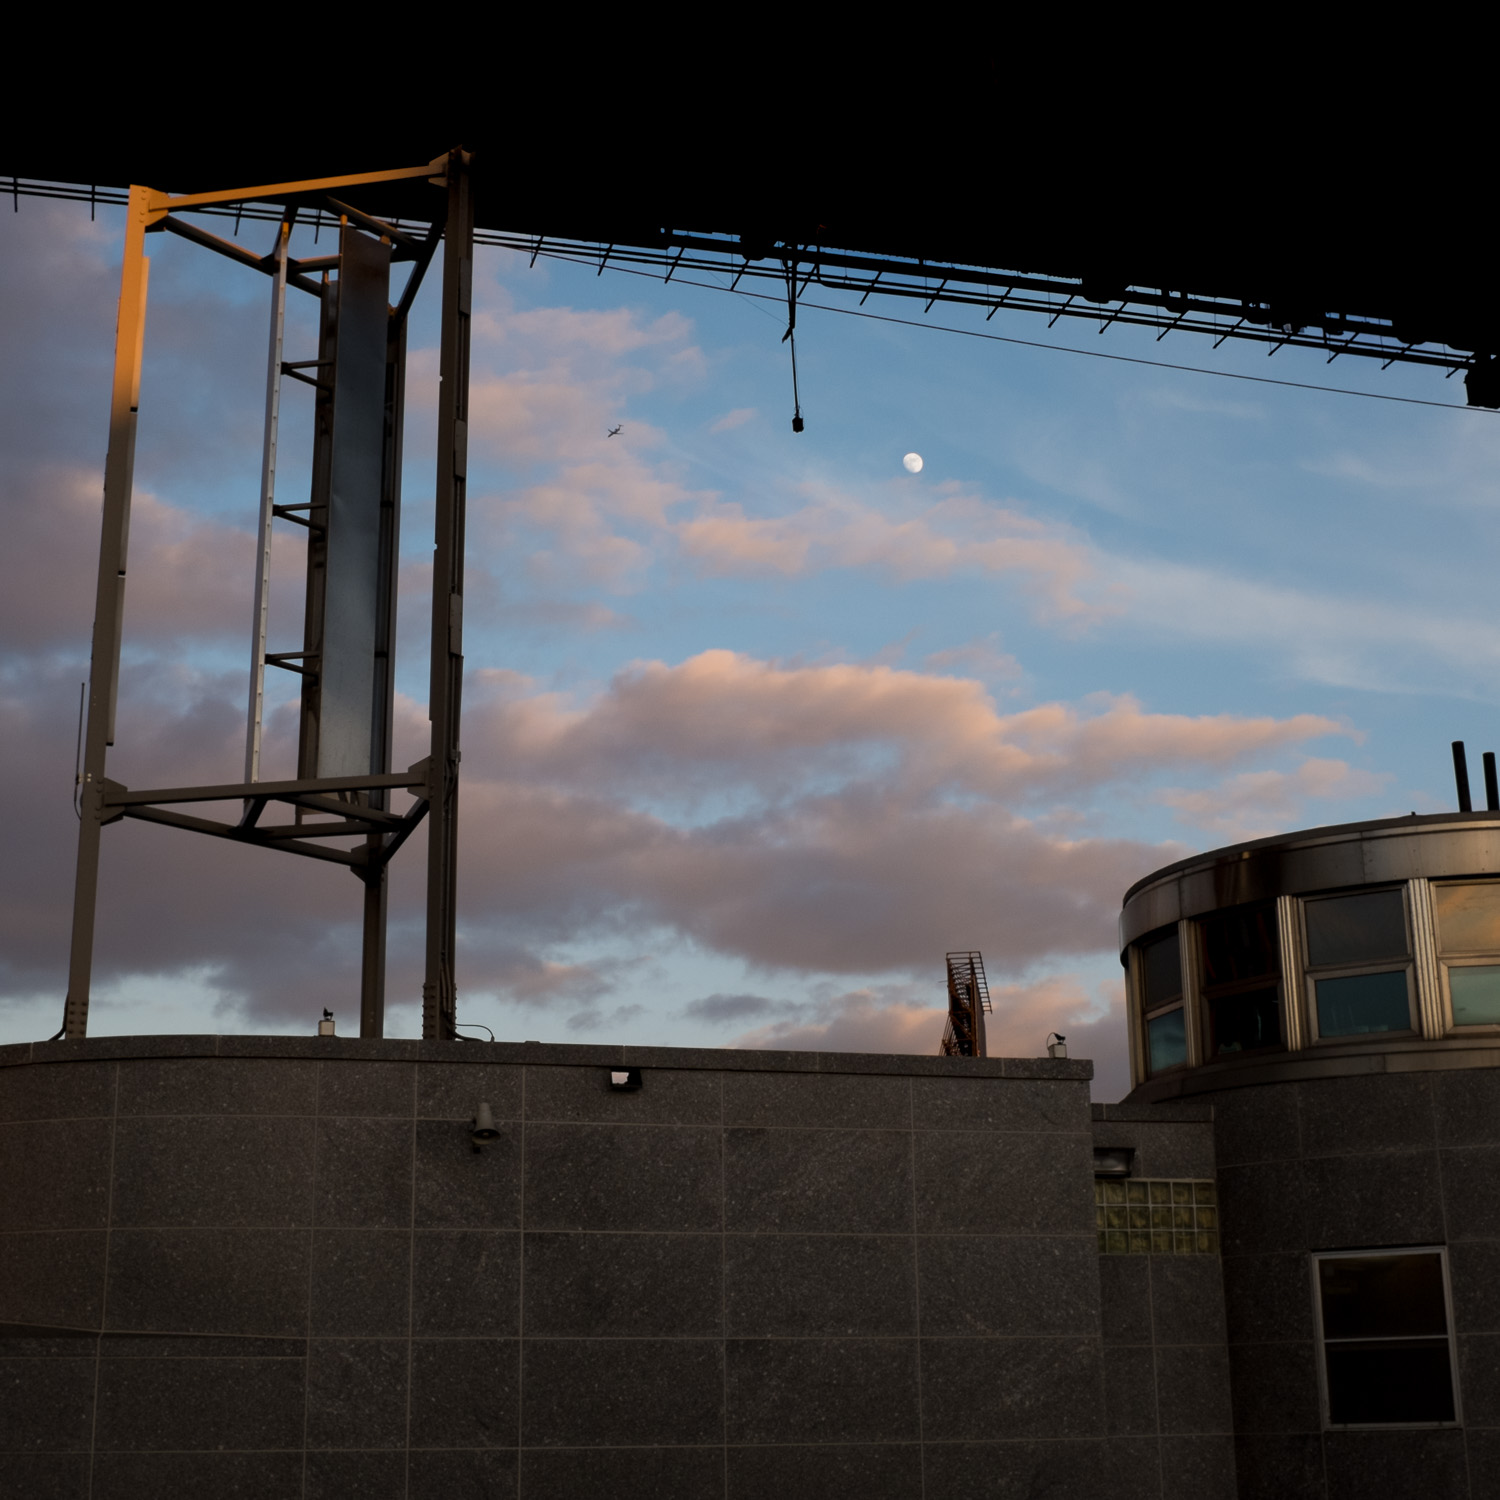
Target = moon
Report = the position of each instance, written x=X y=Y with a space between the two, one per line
x=912 y=463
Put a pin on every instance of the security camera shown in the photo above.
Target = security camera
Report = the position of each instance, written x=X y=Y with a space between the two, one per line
x=482 y=1127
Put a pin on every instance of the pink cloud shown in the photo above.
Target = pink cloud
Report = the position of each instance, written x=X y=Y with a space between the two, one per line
x=721 y=709
x=1256 y=804
x=953 y=532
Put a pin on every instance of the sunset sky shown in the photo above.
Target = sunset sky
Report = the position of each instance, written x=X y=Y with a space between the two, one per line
x=757 y=724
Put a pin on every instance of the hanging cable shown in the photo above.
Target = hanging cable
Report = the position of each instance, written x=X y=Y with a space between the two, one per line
x=790 y=336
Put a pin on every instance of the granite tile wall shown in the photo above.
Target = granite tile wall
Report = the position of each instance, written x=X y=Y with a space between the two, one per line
x=262 y=1267
x=1386 y=1159
x=1166 y=1360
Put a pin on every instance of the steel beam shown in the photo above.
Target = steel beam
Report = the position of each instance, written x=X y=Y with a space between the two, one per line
x=439 y=1005
x=276 y=791
x=109 y=602
x=239 y=836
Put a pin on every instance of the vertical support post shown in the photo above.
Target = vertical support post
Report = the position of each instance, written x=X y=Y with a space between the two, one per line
x=374 y=874
x=1190 y=958
x=1295 y=991
x=372 y=957
x=439 y=1005
x=109 y=603
x=981 y=1042
x=267 y=500
x=1433 y=1019
x=1133 y=1026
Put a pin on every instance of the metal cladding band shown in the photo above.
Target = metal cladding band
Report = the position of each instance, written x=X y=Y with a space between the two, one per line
x=1434 y=846
x=439 y=1005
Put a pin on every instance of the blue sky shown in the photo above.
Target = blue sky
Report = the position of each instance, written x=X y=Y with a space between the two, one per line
x=759 y=724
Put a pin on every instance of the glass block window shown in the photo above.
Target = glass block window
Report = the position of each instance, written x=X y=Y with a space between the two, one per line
x=1385 y=1327
x=1359 y=963
x=1468 y=941
x=1156 y=1216
x=1241 y=979
x=1161 y=1000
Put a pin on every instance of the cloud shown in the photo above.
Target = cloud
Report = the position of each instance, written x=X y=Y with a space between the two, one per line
x=875 y=1019
x=894 y=1018
x=657 y=725
x=981 y=658
x=1255 y=804
x=721 y=1008
x=952 y=532
x=1181 y=399
x=1364 y=642
x=732 y=419
x=817 y=819
x=618 y=1019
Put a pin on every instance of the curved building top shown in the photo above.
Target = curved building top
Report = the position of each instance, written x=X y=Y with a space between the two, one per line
x=1362 y=947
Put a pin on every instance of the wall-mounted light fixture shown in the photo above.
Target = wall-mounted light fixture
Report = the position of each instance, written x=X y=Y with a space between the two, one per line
x=1113 y=1161
x=482 y=1127
x=1057 y=1045
x=622 y=1079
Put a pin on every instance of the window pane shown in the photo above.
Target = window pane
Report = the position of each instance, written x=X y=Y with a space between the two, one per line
x=1476 y=995
x=1161 y=970
x=1239 y=944
x=1244 y=1022
x=1167 y=1040
x=1468 y=917
x=1356 y=929
x=1363 y=1003
x=1382 y=1296
x=1390 y=1383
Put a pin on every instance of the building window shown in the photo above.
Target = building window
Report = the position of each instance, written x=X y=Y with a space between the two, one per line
x=1161 y=1000
x=1241 y=979
x=1384 y=1322
x=1468 y=941
x=1359 y=963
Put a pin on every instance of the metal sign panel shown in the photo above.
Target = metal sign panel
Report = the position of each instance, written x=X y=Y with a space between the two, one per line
x=348 y=711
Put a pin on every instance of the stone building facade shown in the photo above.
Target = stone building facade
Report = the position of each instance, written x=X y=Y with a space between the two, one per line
x=281 y=1267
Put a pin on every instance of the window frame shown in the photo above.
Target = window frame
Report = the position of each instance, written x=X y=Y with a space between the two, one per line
x=1312 y=973
x=1148 y=1013
x=1315 y=1259
x=1208 y=993
x=1478 y=959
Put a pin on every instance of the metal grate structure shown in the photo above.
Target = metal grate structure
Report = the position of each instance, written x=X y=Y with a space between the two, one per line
x=968 y=1004
x=344 y=778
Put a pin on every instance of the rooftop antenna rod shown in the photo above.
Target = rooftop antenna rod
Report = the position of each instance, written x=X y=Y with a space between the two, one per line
x=1491 y=784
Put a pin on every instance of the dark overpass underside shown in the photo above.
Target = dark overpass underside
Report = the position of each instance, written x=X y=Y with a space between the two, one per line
x=1353 y=248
